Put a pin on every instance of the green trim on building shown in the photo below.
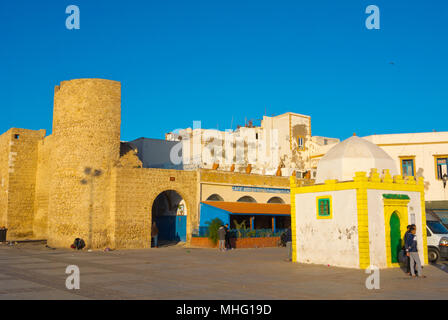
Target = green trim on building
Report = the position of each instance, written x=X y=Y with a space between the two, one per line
x=395 y=196
x=324 y=207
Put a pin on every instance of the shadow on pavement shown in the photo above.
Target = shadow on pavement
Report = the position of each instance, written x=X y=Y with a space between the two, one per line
x=166 y=243
x=441 y=265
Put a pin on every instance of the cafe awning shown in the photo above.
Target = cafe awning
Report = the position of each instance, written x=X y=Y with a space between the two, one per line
x=250 y=208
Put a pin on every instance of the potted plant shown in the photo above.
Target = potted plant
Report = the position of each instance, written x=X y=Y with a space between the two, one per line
x=213 y=227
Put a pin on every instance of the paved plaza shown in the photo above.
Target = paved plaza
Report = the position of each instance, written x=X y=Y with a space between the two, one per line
x=33 y=271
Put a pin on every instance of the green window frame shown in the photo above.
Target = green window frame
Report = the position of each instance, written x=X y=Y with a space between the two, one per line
x=324 y=207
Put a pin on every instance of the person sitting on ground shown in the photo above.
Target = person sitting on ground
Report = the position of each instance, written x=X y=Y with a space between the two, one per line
x=78 y=244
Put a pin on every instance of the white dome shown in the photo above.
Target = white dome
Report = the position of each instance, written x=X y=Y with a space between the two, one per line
x=352 y=155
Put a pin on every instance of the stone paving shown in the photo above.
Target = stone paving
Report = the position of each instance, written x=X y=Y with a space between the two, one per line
x=32 y=271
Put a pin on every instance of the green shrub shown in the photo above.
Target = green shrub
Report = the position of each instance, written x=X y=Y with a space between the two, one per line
x=213 y=227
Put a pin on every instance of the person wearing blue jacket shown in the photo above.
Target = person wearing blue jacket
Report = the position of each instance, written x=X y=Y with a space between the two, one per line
x=412 y=253
x=406 y=235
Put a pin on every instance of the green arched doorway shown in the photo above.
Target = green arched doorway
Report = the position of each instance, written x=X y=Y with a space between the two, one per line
x=395 y=237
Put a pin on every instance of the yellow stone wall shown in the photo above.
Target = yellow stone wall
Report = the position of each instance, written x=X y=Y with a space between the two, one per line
x=4 y=176
x=21 y=180
x=43 y=182
x=243 y=179
x=46 y=192
x=135 y=190
x=86 y=134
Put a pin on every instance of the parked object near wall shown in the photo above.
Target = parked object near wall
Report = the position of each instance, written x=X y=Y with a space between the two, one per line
x=3 y=232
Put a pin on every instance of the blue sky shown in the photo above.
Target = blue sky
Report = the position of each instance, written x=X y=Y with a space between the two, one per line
x=210 y=60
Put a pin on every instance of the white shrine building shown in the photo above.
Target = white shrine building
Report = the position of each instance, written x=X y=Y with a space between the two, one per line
x=356 y=213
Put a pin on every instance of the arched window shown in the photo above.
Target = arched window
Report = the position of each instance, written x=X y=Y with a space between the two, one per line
x=246 y=199
x=276 y=200
x=215 y=197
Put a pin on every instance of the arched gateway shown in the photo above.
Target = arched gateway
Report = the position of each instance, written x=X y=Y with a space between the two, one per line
x=169 y=212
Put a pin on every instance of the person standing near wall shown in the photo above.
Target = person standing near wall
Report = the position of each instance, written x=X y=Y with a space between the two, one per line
x=412 y=252
x=222 y=238
x=155 y=234
x=289 y=244
x=406 y=235
x=228 y=244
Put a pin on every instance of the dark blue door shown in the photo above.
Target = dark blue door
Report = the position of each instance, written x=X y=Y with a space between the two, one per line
x=166 y=224
x=172 y=228
x=181 y=228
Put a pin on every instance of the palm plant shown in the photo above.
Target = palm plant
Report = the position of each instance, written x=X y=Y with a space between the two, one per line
x=240 y=226
x=213 y=227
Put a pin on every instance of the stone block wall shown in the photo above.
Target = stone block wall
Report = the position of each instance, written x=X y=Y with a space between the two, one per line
x=44 y=177
x=20 y=180
x=134 y=192
x=5 y=140
x=235 y=178
x=86 y=134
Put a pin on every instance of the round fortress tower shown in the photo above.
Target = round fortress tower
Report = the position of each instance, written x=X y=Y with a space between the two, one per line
x=86 y=136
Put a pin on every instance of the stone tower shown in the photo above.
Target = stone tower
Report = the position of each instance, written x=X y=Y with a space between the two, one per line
x=86 y=145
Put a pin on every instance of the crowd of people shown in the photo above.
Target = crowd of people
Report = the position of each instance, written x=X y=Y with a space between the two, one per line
x=224 y=242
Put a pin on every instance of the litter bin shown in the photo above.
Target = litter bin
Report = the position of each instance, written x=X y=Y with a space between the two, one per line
x=3 y=234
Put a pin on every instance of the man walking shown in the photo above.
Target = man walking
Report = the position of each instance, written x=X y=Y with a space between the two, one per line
x=412 y=252
x=222 y=238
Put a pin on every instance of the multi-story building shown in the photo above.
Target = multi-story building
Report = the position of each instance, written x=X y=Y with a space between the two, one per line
x=279 y=146
x=420 y=155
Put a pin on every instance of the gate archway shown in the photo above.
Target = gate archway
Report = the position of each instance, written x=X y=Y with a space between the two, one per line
x=169 y=212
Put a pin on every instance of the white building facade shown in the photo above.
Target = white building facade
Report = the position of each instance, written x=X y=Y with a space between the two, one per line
x=419 y=155
x=279 y=146
x=415 y=154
